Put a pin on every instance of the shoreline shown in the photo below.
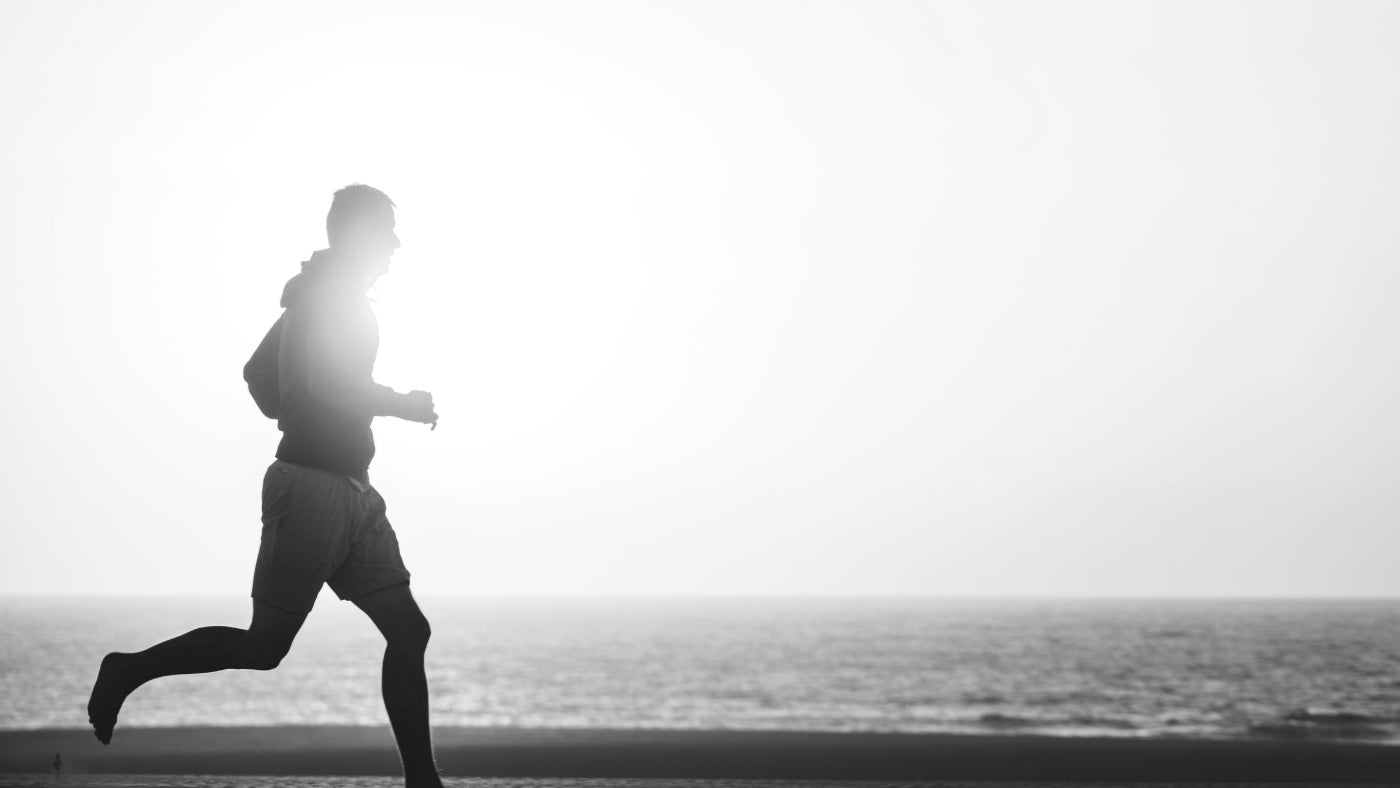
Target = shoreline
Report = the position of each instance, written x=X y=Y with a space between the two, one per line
x=698 y=754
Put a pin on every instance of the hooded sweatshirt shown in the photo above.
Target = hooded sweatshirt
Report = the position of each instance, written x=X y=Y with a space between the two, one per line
x=313 y=371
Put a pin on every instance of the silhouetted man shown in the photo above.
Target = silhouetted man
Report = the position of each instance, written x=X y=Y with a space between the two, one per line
x=323 y=522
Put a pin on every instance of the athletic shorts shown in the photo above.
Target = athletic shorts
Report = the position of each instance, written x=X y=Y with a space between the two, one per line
x=320 y=526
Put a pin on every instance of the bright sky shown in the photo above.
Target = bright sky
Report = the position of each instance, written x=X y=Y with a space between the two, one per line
x=724 y=298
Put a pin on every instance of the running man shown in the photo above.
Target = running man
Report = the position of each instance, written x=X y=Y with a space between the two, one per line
x=322 y=521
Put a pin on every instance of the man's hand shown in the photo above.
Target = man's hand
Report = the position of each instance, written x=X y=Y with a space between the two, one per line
x=420 y=408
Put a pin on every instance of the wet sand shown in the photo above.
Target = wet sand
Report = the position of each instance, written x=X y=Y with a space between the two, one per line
x=728 y=756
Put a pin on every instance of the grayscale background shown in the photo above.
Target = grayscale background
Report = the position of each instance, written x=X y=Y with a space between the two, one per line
x=956 y=299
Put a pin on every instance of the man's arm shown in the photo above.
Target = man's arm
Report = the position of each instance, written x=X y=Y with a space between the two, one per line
x=260 y=373
x=340 y=342
x=339 y=345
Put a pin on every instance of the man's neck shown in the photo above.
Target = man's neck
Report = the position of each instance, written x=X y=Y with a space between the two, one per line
x=345 y=266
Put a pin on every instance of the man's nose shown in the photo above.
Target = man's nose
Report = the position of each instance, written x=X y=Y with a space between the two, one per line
x=396 y=241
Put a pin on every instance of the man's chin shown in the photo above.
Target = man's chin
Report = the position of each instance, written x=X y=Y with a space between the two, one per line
x=375 y=266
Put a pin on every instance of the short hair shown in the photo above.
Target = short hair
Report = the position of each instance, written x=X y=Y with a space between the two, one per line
x=352 y=203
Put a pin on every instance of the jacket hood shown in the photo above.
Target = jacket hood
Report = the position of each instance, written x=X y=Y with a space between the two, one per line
x=320 y=270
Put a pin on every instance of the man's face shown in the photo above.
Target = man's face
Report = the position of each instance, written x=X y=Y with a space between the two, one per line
x=371 y=241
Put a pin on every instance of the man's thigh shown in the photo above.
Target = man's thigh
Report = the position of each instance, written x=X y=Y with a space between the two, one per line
x=305 y=535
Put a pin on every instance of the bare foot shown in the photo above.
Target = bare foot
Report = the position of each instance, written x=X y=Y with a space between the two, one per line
x=108 y=694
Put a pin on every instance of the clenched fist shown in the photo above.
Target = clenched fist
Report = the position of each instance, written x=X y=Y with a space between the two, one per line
x=420 y=408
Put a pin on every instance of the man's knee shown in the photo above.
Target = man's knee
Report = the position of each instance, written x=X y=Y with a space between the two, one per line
x=396 y=615
x=269 y=637
x=410 y=632
x=261 y=654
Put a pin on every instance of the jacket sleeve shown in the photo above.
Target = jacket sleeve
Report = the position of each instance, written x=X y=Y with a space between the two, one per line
x=341 y=342
x=260 y=373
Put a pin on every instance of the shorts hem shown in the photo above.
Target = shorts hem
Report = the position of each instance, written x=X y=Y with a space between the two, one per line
x=363 y=592
x=284 y=607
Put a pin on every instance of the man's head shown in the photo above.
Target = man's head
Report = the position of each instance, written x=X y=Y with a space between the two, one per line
x=360 y=228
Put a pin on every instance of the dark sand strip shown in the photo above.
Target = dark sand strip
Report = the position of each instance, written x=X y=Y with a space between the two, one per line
x=522 y=752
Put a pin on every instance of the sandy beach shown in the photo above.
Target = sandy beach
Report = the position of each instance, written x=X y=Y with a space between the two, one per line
x=699 y=755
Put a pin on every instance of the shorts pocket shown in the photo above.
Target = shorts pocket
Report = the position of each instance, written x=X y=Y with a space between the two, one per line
x=276 y=492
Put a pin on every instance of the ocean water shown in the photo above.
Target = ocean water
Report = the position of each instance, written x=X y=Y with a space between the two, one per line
x=343 y=781
x=1315 y=669
x=340 y=781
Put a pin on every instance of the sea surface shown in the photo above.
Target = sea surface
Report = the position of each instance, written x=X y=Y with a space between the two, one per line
x=1293 y=669
x=338 y=781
